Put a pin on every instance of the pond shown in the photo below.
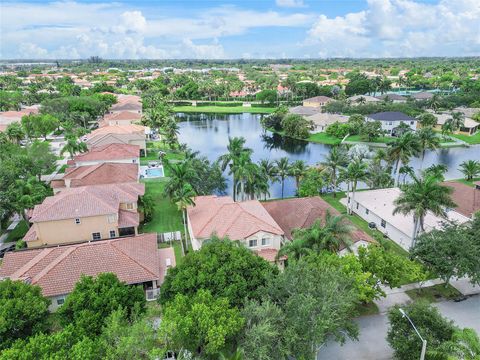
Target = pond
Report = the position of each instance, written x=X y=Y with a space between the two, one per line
x=209 y=133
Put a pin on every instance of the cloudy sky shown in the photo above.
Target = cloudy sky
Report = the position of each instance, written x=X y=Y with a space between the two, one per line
x=158 y=29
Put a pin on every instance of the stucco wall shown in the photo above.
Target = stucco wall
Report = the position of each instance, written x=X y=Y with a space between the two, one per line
x=134 y=160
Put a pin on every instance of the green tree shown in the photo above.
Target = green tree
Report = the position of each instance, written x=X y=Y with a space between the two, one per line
x=283 y=170
x=470 y=169
x=184 y=197
x=312 y=183
x=464 y=345
x=223 y=268
x=73 y=146
x=428 y=140
x=356 y=171
x=94 y=299
x=200 y=323
x=43 y=159
x=297 y=126
x=401 y=150
x=427 y=120
x=14 y=132
x=297 y=170
x=429 y=322
x=424 y=194
x=334 y=161
x=23 y=311
x=371 y=130
x=269 y=96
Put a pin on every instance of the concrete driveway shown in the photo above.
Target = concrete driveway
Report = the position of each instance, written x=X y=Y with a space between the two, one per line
x=372 y=345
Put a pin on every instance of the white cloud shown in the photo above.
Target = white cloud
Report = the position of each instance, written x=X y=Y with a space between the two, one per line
x=290 y=3
x=400 y=28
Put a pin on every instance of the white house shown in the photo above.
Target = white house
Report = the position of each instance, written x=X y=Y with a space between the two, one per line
x=391 y=120
x=377 y=206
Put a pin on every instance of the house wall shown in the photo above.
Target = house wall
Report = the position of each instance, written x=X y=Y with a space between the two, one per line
x=65 y=231
x=313 y=103
x=402 y=239
x=132 y=160
x=118 y=139
x=462 y=131
x=388 y=126
x=56 y=302
x=274 y=241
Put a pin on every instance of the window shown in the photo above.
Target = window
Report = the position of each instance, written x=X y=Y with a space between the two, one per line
x=129 y=206
x=112 y=233
x=357 y=205
x=134 y=161
x=412 y=122
x=265 y=241
x=252 y=243
x=60 y=301
x=390 y=123
x=96 y=236
x=112 y=218
x=77 y=221
x=367 y=211
x=383 y=223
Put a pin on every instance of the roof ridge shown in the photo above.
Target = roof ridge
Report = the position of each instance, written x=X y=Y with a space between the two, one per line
x=256 y=217
x=33 y=261
x=134 y=260
x=54 y=263
x=215 y=197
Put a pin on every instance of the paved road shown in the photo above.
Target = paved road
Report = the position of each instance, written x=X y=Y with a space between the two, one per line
x=373 y=330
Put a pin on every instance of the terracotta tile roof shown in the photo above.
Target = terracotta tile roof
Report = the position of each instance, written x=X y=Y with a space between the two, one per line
x=223 y=216
x=31 y=235
x=56 y=270
x=302 y=213
x=128 y=218
x=467 y=198
x=118 y=129
x=86 y=201
x=123 y=115
x=103 y=173
x=319 y=99
x=110 y=152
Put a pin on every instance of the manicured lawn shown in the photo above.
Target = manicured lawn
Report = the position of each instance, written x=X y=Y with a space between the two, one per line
x=382 y=139
x=19 y=232
x=469 y=139
x=223 y=109
x=166 y=216
x=434 y=293
x=323 y=138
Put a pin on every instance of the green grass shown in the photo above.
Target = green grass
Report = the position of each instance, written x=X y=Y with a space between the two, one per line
x=18 y=233
x=434 y=293
x=323 y=138
x=379 y=140
x=469 y=139
x=468 y=182
x=62 y=169
x=224 y=109
x=166 y=216
x=367 y=309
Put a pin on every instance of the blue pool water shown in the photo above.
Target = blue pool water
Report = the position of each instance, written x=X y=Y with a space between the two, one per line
x=154 y=172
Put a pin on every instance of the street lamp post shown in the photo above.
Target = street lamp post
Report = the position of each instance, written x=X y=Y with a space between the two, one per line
x=424 y=342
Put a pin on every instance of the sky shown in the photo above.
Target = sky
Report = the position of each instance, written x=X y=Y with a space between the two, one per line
x=215 y=29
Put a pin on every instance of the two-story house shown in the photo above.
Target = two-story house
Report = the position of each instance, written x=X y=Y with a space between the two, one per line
x=113 y=153
x=391 y=120
x=317 y=101
x=120 y=118
x=119 y=134
x=86 y=213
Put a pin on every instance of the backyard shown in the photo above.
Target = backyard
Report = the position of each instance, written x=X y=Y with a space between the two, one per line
x=469 y=139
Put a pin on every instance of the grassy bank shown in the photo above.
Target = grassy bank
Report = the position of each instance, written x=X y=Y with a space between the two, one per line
x=469 y=139
x=224 y=109
x=323 y=138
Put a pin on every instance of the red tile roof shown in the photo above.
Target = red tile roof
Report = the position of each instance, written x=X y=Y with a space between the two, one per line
x=110 y=152
x=223 y=216
x=103 y=173
x=128 y=218
x=56 y=269
x=86 y=201
x=269 y=254
x=302 y=213
x=123 y=115
x=118 y=129
x=467 y=198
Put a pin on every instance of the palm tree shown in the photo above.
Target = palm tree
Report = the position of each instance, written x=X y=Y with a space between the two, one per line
x=401 y=150
x=15 y=132
x=297 y=170
x=427 y=140
x=379 y=176
x=73 y=146
x=235 y=149
x=294 y=250
x=335 y=160
x=457 y=120
x=181 y=174
x=355 y=172
x=184 y=197
x=244 y=171
x=283 y=170
x=465 y=345
x=434 y=102
x=268 y=168
x=437 y=170
x=470 y=169
x=424 y=194
x=405 y=170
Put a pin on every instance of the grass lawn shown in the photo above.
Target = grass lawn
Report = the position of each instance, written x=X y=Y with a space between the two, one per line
x=224 y=109
x=360 y=223
x=18 y=233
x=469 y=139
x=367 y=309
x=434 y=293
x=323 y=138
x=166 y=216
x=382 y=139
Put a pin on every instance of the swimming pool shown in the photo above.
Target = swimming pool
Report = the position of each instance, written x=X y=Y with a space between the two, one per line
x=154 y=172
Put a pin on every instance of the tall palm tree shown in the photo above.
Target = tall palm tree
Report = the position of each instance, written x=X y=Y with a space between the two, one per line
x=424 y=194
x=336 y=159
x=401 y=150
x=297 y=170
x=437 y=170
x=355 y=172
x=15 y=132
x=244 y=171
x=465 y=345
x=268 y=168
x=428 y=140
x=235 y=149
x=73 y=146
x=434 y=102
x=405 y=170
x=379 y=176
x=294 y=250
x=183 y=198
x=181 y=174
x=470 y=169
x=283 y=170
x=457 y=120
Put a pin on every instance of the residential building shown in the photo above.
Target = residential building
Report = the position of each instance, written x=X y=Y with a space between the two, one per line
x=377 y=206
x=391 y=120
x=322 y=120
x=359 y=99
x=120 y=118
x=132 y=103
x=299 y=213
x=119 y=134
x=423 y=95
x=9 y=117
x=99 y=174
x=113 y=153
x=467 y=198
x=135 y=260
x=317 y=101
x=247 y=222
x=304 y=110
x=395 y=98
x=86 y=213
x=470 y=126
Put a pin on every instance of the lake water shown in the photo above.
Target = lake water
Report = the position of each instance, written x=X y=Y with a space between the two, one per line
x=209 y=133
